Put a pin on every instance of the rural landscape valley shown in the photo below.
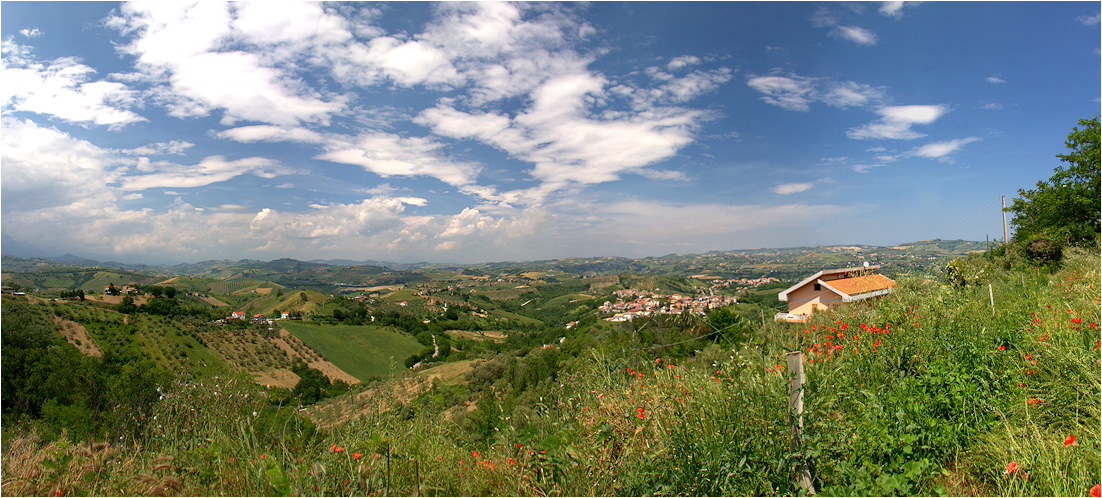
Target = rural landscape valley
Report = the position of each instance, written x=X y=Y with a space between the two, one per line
x=315 y=378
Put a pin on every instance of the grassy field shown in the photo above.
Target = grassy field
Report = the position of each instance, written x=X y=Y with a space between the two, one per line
x=363 y=351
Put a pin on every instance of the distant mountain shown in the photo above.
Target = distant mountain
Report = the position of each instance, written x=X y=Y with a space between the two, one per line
x=69 y=258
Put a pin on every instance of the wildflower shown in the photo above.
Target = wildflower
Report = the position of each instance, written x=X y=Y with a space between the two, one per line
x=1002 y=348
x=1070 y=440
x=1011 y=468
x=1076 y=320
x=658 y=360
x=511 y=461
x=1033 y=401
x=599 y=396
x=1096 y=490
x=263 y=455
x=474 y=454
x=543 y=452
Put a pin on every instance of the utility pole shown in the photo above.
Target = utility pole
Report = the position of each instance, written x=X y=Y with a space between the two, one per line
x=1004 y=221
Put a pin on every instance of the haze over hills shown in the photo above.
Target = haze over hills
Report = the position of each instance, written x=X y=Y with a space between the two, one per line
x=922 y=258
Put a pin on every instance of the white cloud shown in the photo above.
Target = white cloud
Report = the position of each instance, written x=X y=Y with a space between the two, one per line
x=44 y=168
x=30 y=32
x=1090 y=20
x=391 y=155
x=797 y=93
x=941 y=150
x=995 y=80
x=856 y=34
x=63 y=88
x=896 y=121
x=895 y=9
x=186 y=47
x=172 y=147
x=213 y=169
x=861 y=36
x=682 y=62
x=270 y=133
x=792 y=188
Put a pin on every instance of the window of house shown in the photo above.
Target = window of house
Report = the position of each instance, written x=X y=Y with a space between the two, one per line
x=818 y=287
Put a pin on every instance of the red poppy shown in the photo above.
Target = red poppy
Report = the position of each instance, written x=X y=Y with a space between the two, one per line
x=356 y=455
x=1076 y=320
x=658 y=360
x=1096 y=490
x=543 y=452
x=474 y=454
x=1002 y=348
x=1070 y=440
x=511 y=461
x=1033 y=401
x=1011 y=468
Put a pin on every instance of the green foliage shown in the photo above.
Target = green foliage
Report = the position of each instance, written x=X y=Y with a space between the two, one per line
x=1065 y=209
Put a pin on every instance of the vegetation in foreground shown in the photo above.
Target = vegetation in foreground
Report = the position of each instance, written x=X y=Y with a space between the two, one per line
x=931 y=391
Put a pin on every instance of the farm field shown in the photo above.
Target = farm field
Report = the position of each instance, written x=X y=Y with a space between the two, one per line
x=364 y=351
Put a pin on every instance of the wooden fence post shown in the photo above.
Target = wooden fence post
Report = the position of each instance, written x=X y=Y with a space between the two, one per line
x=796 y=415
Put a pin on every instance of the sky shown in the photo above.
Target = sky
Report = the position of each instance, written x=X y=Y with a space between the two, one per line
x=161 y=132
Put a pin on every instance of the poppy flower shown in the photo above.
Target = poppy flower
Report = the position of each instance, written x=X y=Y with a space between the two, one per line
x=1070 y=440
x=1033 y=401
x=1002 y=348
x=1076 y=320
x=511 y=461
x=1096 y=490
x=356 y=455
x=474 y=454
x=1011 y=468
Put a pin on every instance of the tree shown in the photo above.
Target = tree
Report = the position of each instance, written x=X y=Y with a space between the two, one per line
x=170 y=292
x=1066 y=209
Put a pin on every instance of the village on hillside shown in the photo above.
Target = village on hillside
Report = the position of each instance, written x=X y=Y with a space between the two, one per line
x=635 y=303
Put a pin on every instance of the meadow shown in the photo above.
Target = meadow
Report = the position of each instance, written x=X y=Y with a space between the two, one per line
x=986 y=388
x=364 y=351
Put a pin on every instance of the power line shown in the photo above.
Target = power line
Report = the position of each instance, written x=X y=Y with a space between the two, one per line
x=973 y=215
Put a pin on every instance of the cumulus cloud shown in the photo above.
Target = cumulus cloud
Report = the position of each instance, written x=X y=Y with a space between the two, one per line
x=63 y=88
x=43 y=167
x=1090 y=20
x=896 y=121
x=995 y=80
x=186 y=46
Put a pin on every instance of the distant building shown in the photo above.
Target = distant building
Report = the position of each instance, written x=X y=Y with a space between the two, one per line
x=285 y=315
x=238 y=315
x=832 y=288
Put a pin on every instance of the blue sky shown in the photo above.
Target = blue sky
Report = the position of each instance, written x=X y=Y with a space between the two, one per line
x=447 y=132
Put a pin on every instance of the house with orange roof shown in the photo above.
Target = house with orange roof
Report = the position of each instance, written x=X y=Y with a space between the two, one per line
x=832 y=288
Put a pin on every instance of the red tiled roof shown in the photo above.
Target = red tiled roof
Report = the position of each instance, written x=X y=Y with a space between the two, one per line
x=860 y=285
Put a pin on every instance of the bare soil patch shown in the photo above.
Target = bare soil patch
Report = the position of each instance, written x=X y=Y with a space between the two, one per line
x=213 y=302
x=479 y=335
x=280 y=377
x=138 y=300
x=78 y=336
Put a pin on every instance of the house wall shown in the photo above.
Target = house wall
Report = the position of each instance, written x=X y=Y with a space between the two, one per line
x=803 y=301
